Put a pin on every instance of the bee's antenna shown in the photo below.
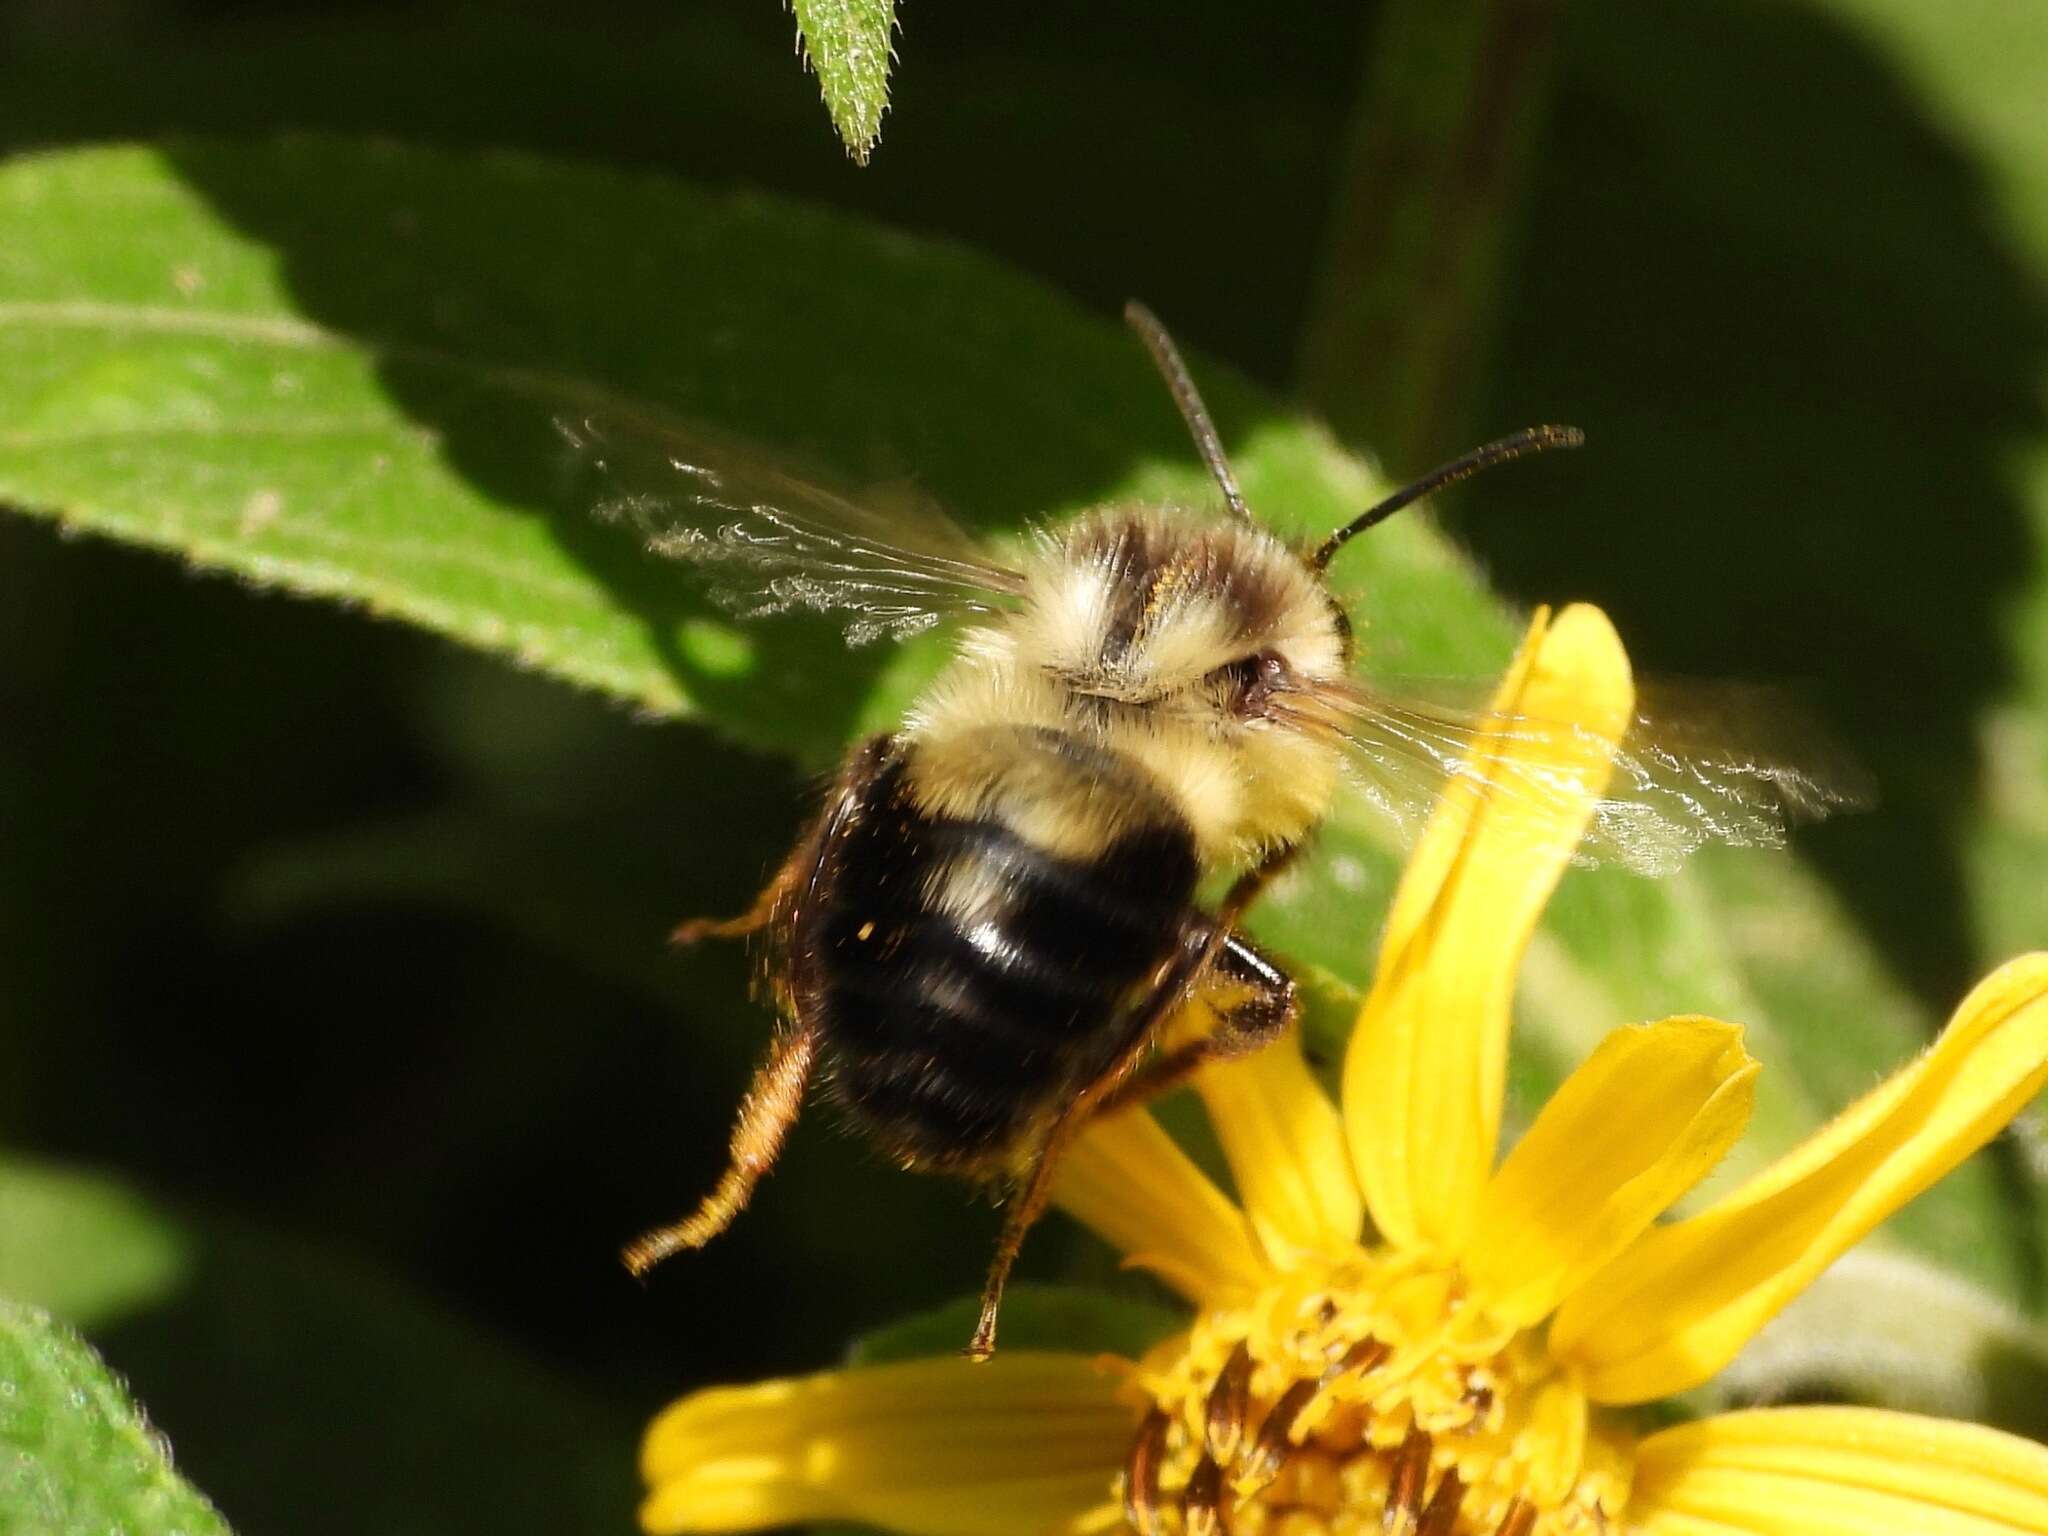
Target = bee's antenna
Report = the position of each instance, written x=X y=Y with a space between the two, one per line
x=1181 y=385
x=1514 y=446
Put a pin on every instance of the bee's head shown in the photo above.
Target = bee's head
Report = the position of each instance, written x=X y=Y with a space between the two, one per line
x=1185 y=642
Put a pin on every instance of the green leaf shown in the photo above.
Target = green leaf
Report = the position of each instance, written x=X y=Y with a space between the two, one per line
x=1885 y=1327
x=1035 y=1316
x=846 y=42
x=242 y=379
x=83 y=1245
x=80 y=1454
x=245 y=379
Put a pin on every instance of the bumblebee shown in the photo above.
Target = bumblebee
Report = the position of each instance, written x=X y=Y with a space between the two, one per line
x=979 y=942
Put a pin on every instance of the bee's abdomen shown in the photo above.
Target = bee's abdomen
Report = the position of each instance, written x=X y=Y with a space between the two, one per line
x=967 y=977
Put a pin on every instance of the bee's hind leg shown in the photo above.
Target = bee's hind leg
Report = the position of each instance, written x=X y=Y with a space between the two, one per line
x=769 y=1110
x=772 y=1102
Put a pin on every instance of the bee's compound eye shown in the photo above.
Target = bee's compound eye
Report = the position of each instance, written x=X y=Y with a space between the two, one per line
x=1252 y=679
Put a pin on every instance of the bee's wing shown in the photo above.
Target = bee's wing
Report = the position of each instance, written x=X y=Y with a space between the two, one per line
x=782 y=539
x=1701 y=763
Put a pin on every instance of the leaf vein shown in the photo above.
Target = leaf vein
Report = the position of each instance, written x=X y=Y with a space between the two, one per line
x=541 y=384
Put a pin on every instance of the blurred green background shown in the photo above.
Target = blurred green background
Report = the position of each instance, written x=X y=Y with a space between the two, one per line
x=333 y=996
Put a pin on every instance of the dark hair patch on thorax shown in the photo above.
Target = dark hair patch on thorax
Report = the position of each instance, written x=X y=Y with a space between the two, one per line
x=1347 y=637
x=1151 y=558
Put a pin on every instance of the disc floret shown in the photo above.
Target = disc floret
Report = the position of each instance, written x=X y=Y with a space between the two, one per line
x=1374 y=1394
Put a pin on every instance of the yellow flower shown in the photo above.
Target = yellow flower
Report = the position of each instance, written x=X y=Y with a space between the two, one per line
x=1457 y=1371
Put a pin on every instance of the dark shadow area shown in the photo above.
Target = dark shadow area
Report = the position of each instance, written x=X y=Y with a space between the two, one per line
x=1114 y=154
x=1801 y=347
x=2018 y=1391
x=312 y=1406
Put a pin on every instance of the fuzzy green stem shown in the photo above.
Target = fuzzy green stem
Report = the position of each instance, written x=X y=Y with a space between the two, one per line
x=1439 y=147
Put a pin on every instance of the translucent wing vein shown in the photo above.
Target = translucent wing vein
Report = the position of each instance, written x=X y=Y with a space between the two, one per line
x=892 y=564
x=1701 y=763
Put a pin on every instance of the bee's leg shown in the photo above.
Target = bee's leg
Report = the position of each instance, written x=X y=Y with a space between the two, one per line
x=1169 y=990
x=777 y=1094
x=1252 y=998
x=1028 y=1205
x=1246 y=888
x=800 y=870
x=768 y=1111
x=774 y=897
x=1254 y=1002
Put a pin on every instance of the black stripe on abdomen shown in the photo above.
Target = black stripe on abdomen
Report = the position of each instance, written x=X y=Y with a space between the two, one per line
x=967 y=979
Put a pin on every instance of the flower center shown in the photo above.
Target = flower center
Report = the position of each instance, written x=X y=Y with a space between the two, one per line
x=1366 y=1396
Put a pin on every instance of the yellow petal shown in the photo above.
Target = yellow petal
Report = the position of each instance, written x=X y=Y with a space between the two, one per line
x=1679 y=1304
x=1427 y=1066
x=1838 y=1472
x=1125 y=1177
x=1647 y=1116
x=1024 y=1445
x=1285 y=1143
x=1553 y=1444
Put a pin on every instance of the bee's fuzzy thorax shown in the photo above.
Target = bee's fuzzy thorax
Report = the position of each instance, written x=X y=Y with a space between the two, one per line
x=1129 y=623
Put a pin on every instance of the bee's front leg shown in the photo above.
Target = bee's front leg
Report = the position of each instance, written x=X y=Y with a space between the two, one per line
x=1175 y=981
x=1252 y=1000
